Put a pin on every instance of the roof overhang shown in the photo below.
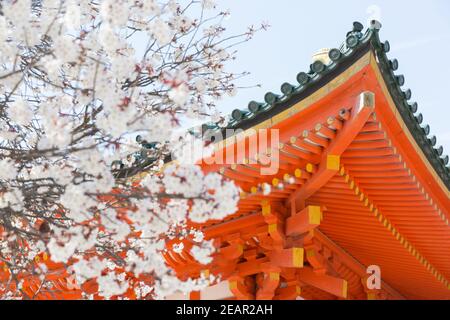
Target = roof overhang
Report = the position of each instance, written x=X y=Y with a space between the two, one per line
x=381 y=186
x=407 y=242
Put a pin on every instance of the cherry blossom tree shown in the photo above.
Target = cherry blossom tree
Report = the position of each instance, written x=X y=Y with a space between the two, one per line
x=79 y=82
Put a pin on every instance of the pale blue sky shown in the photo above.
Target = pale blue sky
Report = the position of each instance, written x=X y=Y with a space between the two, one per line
x=419 y=33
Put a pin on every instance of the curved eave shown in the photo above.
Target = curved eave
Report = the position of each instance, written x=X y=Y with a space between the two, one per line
x=370 y=42
x=386 y=206
x=407 y=115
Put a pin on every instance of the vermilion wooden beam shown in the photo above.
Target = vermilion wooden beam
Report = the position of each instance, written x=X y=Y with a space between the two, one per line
x=275 y=224
x=316 y=260
x=308 y=219
x=233 y=225
x=251 y=267
x=232 y=252
x=276 y=232
x=335 y=286
x=352 y=127
x=288 y=258
x=267 y=283
x=299 y=143
x=240 y=288
x=328 y=168
x=330 y=163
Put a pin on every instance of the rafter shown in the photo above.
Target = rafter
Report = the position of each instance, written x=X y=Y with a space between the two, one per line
x=307 y=220
x=335 y=286
x=330 y=163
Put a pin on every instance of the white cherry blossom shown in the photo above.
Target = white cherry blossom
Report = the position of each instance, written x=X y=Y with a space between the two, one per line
x=80 y=82
x=19 y=111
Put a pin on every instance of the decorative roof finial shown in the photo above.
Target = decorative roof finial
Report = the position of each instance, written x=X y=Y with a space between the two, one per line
x=375 y=25
x=357 y=26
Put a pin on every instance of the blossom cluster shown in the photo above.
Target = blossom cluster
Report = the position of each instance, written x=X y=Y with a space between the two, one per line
x=79 y=81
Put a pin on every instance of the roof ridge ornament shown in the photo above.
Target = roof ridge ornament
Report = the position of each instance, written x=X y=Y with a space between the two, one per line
x=357 y=29
x=375 y=25
x=335 y=54
x=353 y=37
x=255 y=106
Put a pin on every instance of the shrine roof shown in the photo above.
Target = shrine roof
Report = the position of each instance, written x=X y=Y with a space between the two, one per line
x=357 y=43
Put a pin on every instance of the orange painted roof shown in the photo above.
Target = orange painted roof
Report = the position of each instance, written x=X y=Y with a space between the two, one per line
x=388 y=205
